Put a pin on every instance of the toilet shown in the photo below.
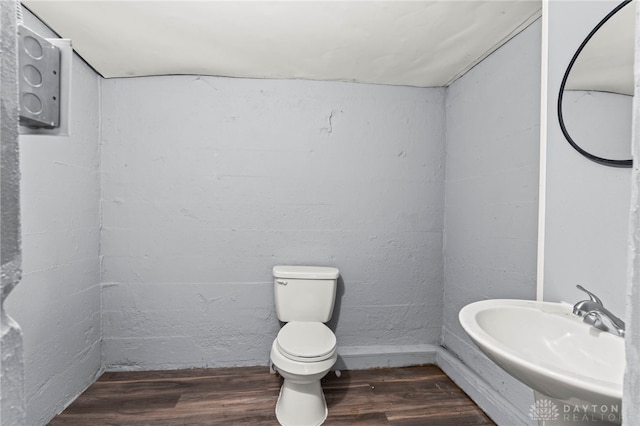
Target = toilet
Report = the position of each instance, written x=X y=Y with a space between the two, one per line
x=305 y=349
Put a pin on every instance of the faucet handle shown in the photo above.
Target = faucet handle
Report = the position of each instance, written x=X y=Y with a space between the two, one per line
x=592 y=296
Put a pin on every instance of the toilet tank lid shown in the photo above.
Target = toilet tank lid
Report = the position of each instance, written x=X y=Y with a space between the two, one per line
x=306 y=272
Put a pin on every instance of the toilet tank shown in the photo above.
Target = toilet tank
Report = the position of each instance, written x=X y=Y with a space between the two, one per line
x=304 y=293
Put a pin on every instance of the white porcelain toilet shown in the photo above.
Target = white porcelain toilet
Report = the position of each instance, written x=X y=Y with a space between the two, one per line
x=305 y=349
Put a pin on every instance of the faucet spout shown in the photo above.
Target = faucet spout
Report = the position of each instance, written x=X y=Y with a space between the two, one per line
x=604 y=320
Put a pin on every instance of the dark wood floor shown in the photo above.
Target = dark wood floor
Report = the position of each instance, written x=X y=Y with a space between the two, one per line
x=247 y=396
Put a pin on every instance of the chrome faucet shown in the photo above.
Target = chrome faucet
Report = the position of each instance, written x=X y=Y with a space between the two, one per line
x=594 y=313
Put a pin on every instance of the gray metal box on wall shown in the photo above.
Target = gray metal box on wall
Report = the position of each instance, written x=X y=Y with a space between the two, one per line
x=39 y=80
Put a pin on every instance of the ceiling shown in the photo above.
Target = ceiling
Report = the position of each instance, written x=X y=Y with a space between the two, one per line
x=413 y=43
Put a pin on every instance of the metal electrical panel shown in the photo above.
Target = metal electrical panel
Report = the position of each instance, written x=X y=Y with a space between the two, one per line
x=39 y=80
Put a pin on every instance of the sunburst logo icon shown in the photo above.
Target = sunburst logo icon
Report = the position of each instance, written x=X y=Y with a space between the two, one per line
x=544 y=410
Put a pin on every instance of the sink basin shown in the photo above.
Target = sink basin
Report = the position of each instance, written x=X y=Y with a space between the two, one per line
x=546 y=347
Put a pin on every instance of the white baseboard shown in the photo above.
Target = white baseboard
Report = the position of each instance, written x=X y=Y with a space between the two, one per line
x=495 y=405
x=364 y=357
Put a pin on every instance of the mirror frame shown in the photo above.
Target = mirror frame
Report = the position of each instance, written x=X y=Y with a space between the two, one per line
x=595 y=158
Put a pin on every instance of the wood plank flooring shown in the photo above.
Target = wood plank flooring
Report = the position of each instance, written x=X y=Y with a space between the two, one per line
x=421 y=395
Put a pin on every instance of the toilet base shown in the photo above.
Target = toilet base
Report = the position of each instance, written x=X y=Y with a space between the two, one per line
x=301 y=404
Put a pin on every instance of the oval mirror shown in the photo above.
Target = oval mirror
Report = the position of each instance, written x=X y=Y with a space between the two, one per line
x=596 y=94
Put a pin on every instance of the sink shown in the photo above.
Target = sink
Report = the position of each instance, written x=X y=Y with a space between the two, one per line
x=546 y=347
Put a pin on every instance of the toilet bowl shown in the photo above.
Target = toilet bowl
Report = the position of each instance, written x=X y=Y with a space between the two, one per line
x=304 y=349
x=303 y=353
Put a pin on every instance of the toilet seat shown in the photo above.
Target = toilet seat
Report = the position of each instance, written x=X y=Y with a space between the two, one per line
x=306 y=341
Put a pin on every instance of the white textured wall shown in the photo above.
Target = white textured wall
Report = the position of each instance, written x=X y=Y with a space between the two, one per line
x=12 y=407
x=57 y=303
x=587 y=204
x=491 y=198
x=209 y=182
x=631 y=391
